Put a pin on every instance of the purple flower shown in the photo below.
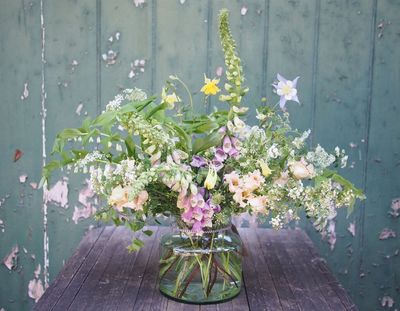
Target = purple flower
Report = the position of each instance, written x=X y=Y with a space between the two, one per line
x=220 y=154
x=198 y=161
x=286 y=89
x=227 y=144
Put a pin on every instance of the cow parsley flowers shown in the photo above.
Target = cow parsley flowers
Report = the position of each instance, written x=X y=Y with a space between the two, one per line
x=145 y=162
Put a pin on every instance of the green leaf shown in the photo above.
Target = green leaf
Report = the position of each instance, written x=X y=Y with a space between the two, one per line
x=148 y=232
x=105 y=119
x=130 y=146
x=135 y=245
x=70 y=133
x=206 y=142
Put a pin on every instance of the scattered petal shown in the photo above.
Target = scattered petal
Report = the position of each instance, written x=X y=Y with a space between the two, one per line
x=17 y=155
x=10 y=261
x=386 y=234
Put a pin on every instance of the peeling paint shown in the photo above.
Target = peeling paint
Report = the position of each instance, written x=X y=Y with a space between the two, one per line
x=387 y=234
x=352 y=228
x=243 y=10
x=23 y=178
x=35 y=289
x=2 y=225
x=25 y=92
x=110 y=57
x=58 y=193
x=387 y=301
x=138 y=3
x=219 y=71
x=353 y=145
x=34 y=185
x=17 y=155
x=85 y=195
x=137 y=67
x=10 y=261
x=332 y=233
x=182 y=1
x=79 y=109
x=395 y=212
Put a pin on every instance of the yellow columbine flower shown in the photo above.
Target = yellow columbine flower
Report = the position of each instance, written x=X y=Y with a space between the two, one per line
x=266 y=171
x=169 y=99
x=210 y=86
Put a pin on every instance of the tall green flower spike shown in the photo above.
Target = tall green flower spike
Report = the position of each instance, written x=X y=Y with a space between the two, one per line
x=234 y=70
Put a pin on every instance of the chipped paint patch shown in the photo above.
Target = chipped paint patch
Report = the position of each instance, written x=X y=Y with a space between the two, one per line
x=137 y=67
x=219 y=71
x=2 y=226
x=10 y=261
x=79 y=109
x=139 y=3
x=387 y=234
x=17 y=155
x=387 y=301
x=35 y=289
x=25 y=92
x=243 y=10
x=23 y=178
x=395 y=212
x=332 y=233
x=85 y=196
x=34 y=185
x=58 y=193
x=182 y=1
x=352 y=228
x=110 y=57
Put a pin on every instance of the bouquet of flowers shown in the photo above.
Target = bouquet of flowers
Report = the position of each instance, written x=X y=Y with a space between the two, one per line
x=148 y=156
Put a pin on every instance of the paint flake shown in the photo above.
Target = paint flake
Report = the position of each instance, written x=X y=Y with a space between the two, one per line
x=34 y=185
x=387 y=301
x=219 y=71
x=243 y=10
x=387 y=234
x=35 y=289
x=17 y=155
x=182 y=1
x=138 y=3
x=85 y=196
x=137 y=67
x=110 y=57
x=10 y=261
x=352 y=228
x=25 y=92
x=79 y=109
x=23 y=178
x=58 y=193
x=395 y=208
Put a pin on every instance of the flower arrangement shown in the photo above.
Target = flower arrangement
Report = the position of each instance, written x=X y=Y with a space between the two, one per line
x=148 y=156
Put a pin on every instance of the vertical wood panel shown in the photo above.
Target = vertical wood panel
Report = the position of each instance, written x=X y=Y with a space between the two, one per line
x=181 y=45
x=20 y=128
x=380 y=265
x=340 y=113
x=70 y=36
x=126 y=30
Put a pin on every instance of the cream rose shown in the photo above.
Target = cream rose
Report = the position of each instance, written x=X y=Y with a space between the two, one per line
x=301 y=170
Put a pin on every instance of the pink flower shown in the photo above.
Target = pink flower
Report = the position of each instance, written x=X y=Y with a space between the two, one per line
x=233 y=180
x=258 y=203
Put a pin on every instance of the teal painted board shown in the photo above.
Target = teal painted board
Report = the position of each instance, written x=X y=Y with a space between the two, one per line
x=125 y=37
x=380 y=265
x=20 y=128
x=181 y=49
x=340 y=119
x=71 y=96
x=346 y=53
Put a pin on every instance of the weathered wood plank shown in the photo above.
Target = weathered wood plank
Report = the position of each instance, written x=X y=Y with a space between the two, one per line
x=148 y=297
x=79 y=277
x=286 y=297
x=298 y=284
x=135 y=279
x=73 y=266
x=108 y=274
x=320 y=263
x=261 y=291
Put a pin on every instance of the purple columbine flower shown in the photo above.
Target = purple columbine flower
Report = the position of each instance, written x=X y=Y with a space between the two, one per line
x=198 y=161
x=286 y=89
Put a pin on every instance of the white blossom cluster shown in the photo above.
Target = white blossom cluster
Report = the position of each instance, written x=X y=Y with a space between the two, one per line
x=298 y=142
x=89 y=159
x=320 y=158
x=135 y=94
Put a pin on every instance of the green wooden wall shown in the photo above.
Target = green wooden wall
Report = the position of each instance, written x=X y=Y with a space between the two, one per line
x=62 y=60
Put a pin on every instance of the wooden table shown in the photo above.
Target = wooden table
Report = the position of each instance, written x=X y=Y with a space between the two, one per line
x=282 y=271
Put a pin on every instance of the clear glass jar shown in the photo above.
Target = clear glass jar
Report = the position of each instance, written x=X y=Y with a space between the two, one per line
x=201 y=269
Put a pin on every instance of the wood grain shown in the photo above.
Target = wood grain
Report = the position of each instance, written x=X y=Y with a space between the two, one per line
x=282 y=271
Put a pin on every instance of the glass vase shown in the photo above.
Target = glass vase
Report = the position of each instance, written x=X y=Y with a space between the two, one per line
x=201 y=269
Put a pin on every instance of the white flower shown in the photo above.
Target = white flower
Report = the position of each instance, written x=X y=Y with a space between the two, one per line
x=286 y=89
x=273 y=152
x=301 y=169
